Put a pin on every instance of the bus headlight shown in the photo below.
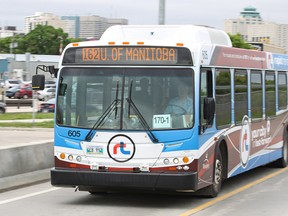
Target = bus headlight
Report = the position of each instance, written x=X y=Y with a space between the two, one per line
x=78 y=158
x=70 y=157
x=176 y=160
x=166 y=161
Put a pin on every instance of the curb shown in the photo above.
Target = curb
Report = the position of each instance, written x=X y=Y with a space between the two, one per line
x=11 y=182
x=26 y=164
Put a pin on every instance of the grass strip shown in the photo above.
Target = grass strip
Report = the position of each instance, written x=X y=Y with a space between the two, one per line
x=17 y=116
x=46 y=124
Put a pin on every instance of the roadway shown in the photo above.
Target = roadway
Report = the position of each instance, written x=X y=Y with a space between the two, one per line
x=261 y=192
x=24 y=136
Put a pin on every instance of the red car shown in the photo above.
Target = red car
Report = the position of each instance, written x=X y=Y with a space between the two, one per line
x=24 y=92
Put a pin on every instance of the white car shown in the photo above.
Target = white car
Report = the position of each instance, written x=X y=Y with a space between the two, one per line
x=46 y=94
x=12 y=83
x=2 y=83
x=50 y=84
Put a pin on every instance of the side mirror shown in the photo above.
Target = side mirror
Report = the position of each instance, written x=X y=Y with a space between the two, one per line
x=62 y=89
x=38 y=82
x=209 y=109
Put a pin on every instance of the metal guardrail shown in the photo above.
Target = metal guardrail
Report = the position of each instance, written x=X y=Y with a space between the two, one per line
x=19 y=103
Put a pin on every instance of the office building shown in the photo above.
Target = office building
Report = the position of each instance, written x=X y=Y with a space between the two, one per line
x=256 y=30
x=9 y=31
x=94 y=26
x=41 y=18
x=75 y=26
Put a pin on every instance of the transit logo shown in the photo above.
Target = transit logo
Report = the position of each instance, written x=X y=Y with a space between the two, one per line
x=121 y=148
x=245 y=142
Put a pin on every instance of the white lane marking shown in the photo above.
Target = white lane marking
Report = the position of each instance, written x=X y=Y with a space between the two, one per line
x=28 y=195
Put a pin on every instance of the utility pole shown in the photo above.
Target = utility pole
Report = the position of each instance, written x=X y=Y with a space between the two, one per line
x=161 y=12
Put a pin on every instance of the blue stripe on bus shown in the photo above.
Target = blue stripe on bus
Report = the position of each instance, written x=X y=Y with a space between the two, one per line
x=259 y=161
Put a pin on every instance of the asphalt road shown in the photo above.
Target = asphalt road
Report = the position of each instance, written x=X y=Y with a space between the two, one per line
x=24 y=136
x=261 y=192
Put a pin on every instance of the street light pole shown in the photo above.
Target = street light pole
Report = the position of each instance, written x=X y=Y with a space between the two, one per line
x=161 y=12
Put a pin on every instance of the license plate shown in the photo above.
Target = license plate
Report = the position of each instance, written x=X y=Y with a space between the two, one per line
x=94 y=150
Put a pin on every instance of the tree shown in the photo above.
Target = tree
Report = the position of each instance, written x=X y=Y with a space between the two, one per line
x=45 y=40
x=238 y=42
x=5 y=44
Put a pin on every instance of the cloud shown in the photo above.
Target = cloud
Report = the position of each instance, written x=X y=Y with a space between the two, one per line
x=206 y=12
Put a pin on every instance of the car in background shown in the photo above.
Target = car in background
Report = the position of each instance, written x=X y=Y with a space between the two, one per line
x=10 y=93
x=46 y=94
x=24 y=92
x=50 y=84
x=48 y=106
x=2 y=83
x=2 y=108
x=12 y=83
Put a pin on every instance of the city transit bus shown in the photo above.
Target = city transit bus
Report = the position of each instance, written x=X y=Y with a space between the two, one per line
x=165 y=108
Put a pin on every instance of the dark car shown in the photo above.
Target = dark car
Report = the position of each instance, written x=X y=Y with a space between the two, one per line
x=24 y=92
x=10 y=93
x=2 y=108
x=48 y=106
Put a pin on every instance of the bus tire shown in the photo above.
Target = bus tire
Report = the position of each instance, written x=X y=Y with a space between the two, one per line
x=213 y=190
x=283 y=162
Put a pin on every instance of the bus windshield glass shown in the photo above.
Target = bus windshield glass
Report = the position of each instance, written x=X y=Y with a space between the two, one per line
x=126 y=98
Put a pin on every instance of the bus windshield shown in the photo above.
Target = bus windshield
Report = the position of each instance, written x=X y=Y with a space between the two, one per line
x=126 y=98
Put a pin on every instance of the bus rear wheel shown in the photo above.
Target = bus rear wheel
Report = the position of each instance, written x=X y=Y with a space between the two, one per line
x=283 y=162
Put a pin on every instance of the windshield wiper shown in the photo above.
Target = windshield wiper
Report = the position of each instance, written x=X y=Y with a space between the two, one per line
x=116 y=108
x=140 y=116
x=113 y=106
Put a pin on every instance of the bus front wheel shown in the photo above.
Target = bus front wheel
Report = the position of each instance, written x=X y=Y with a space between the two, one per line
x=213 y=190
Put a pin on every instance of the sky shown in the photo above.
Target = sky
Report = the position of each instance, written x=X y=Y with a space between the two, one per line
x=202 y=12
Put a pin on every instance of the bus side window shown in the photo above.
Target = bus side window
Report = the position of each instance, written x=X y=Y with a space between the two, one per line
x=282 y=91
x=270 y=102
x=223 y=97
x=240 y=95
x=206 y=90
x=256 y=95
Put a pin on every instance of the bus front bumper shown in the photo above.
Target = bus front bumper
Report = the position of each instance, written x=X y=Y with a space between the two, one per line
x=121 y=180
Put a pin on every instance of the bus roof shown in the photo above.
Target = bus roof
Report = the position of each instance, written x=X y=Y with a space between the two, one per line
x=188 y=34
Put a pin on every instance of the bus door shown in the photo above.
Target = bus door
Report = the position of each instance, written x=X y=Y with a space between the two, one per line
x=206 y=132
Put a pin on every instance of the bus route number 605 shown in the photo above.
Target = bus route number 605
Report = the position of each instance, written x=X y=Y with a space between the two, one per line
x=74 y=133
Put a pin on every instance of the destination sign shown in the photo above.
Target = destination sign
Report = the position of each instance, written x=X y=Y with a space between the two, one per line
x=135 y=55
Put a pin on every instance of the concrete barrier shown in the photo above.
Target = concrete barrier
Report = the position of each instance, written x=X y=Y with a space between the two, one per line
x=25 y=164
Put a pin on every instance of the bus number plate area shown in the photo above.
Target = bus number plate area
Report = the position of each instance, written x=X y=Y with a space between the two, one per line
x=162 y=121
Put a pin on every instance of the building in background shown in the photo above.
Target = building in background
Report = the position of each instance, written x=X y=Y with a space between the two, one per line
x=94 y=26
x=9 y=31
x=75 y=26
x=71 y=26
x=41 y=18
x=23 y=66
x=255 y=30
